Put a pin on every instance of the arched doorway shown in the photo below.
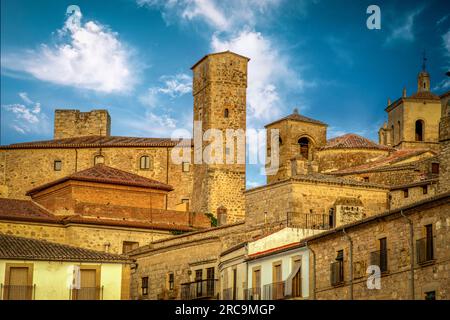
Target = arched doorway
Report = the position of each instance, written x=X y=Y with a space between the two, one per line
x=419 y=130
x=304 y=147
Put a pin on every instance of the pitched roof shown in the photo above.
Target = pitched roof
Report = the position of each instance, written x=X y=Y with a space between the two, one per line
x=98 y=141
x=353 y=141
x=13 y=247
x=385 y=162
x=24 y=210
x=295 y=116
x=104 y=174
x=424 y=95
x=218 y=53
x=29 y=211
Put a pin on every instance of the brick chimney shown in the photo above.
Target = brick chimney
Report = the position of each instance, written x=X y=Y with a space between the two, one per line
x=221 y=216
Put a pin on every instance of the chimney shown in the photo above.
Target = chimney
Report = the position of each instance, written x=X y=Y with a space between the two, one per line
x=404 y=92
x=389 y=102
x=221 y=216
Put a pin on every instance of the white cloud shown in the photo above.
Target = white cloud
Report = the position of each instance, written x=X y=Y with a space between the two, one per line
x=221 y=15
x=152 y=124
x=28 y=117
x=405 y=31
x=174 y=86
x=87 y=56
x=446 y=41
x=267 y=70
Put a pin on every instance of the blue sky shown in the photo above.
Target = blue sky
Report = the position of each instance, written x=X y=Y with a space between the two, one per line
x=133 y=57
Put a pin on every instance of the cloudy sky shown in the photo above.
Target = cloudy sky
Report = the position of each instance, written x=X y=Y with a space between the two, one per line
x=133 y=57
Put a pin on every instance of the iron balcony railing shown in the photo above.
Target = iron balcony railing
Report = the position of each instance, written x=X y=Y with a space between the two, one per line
x=274 y=291
x=13 y=292
x=425 y=250
x=227 y=294
x=309 y=221
x=252 y=294
x=87 y=293
x=201 y=289
x=380 y=258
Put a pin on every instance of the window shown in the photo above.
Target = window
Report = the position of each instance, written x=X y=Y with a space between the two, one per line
x=425 y=246
x=234 y=296
x=425 y=189
x=337 y=269
x=170 y=281
x=128 y=246
x=144 y=286
x=227 y=151
x=99 y=159
x=304 y=147
x=280 y=141
x=18 y=282
x=431 y=295
x=89 y=284
x=366 y=179
x=383 y=255
x=57 y=165
x=198 y=280
x=406 y=193
x=419 y=130
x=277 y=284
x=435 y=168
x=226 y=113
x=332 y=218
x=185 y=166
x=145 y=163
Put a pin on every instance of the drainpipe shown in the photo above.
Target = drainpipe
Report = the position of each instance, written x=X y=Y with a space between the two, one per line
x=411 y=255
x=351 y=263
x=313 y=280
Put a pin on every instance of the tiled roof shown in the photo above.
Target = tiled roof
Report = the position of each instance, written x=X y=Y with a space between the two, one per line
x=385 y=162
x=18 y=248
x=24 y=209
x=353 y=141
x=326 y=178
x=297 y=117
x=29 y=211
x=424 y=95
x=104 y=174
x=97 y=141
x=415 y=184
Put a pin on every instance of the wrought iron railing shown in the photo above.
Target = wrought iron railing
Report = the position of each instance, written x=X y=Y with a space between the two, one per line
x=274 y=291
x=425 y=250
x=314 y=221
x=201 y=289
x=87 y=293
x=380 y=258
x=252 y=294
x=13 y=292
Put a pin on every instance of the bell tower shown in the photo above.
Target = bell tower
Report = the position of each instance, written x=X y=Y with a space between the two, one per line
x=219 y=90
x=423 y=80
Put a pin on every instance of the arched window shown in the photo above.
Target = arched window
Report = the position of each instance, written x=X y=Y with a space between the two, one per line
x=280 y=141
x=419 y=130
x=226 y=113
x=304 y=147
x=145 y=163
x=99 y=159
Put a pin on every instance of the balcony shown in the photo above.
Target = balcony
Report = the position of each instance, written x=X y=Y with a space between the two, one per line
x=274 y=291
x=201 y=289
x=425 y=250
x=379 y=258
x=87 y=293
x=252 y=294
x=13 y=292
x=309 y=221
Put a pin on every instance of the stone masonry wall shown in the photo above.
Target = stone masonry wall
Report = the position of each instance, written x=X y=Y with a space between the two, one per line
x=73 y=123
x=395 y=283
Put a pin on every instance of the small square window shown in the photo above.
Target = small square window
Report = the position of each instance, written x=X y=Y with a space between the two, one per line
x=425 y=189
x=435 y=168
x=171 y=281
x=144 y=286
x=185 y=166
x=57 y=165
x=431 y=295
x=406 y=193
x=366 y=179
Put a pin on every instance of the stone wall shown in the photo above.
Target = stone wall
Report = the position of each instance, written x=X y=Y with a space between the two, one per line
x=434 y=276
x=83 y=236
x=25 y=169
x=415 y=193
x=444 y=158
x=73 y=123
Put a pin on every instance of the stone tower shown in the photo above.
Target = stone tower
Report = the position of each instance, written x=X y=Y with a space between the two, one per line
x=73 y=123
x=444 y=157
x=219 y=90
x=299 y=137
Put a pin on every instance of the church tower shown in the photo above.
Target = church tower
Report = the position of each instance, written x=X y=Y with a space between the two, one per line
x=219 y=90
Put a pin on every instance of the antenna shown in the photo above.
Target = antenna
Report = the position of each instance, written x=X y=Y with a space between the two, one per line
x=424 y=63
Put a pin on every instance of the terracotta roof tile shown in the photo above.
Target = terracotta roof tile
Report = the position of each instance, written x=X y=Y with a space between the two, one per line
x=424 y=95
x=104 y=174
x=353 y=141
x=98 y=141
x=24 y=209
x=13 y=247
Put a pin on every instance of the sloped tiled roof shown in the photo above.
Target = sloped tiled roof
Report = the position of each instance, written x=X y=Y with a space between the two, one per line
x=24 y=209
x=104 y=174
x=97 y=141
x=353 y=141
x=297 y=117
x=13 y=247
x=385 y=162
x=424 y=95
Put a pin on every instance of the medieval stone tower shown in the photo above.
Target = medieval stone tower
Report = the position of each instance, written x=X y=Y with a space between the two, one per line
x=219 y=90
x=444 y=158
